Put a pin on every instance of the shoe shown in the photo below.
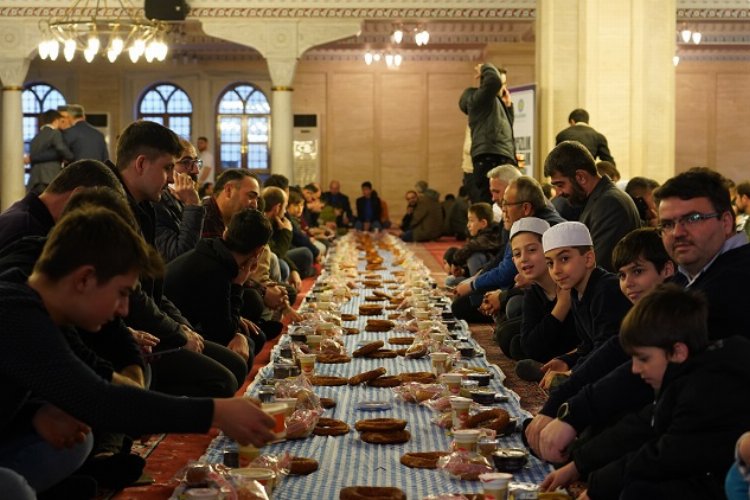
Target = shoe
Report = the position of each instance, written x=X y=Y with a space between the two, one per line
x=529 y=370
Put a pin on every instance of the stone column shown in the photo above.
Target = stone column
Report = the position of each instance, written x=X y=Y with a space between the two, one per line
x=282 y=43
x=613 y=59
x=18 y=39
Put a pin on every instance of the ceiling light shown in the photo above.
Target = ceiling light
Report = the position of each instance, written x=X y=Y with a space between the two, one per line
x=94 y=27
x=397 y=36
x=697 y=37
x=685 y=34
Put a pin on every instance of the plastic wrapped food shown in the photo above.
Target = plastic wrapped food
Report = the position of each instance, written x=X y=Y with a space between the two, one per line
x=465 y=465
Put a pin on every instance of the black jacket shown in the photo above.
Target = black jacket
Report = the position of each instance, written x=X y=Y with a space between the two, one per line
x=86 y=142
x=375 y=203
x=542 y=335
x=178 y=227
x=594 y=141
x=690 y=430
x=199 y=282
x=487 y=240
x=26 y=217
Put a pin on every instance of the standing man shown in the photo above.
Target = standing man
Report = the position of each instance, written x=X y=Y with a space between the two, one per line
x=581 y=131
x=491 y=124
x=47 y=151
x=208 y=170
x=82 y=138
x=608 y=212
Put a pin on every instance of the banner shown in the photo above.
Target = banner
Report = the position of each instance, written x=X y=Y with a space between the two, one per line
x=524 y=124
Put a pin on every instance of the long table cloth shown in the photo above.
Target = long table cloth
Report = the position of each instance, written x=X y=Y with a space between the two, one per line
x=348 y=461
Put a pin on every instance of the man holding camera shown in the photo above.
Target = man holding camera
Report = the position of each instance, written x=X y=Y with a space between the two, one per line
x=490 y=111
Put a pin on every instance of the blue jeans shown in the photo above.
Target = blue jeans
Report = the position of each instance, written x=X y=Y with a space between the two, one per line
x=39 y=463
x=475 y=262
x=373 y=225
x=736 y=486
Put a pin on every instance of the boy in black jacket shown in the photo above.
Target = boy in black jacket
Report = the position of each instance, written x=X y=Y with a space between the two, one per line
x=484 y=242
x=681 y=445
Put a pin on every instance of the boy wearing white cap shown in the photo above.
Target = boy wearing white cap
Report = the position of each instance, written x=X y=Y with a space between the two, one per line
x=598 y=305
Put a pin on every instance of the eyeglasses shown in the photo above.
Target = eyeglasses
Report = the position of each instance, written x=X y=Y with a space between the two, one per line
x=504 y=203
x=689 y=220
x=190 y=162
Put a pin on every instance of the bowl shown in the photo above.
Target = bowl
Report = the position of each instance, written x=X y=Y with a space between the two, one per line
x=510 y=459
x=482 y=378
x=483 y=397
x=466 y=350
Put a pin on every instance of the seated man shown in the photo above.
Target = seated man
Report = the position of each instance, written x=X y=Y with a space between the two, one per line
x=86 y=286
x=207 y=282
x=426 y=220
x=697 y=412
x=297 y=261
x=368 y=209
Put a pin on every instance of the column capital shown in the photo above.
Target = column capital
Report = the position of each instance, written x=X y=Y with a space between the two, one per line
x=19 y=39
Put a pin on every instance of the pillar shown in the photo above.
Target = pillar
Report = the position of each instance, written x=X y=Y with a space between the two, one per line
x=18 y=39
x=282 y=43
x=613 y=59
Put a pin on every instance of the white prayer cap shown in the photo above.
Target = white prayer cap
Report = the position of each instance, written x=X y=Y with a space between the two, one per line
x=529 y=225
x=566 y=234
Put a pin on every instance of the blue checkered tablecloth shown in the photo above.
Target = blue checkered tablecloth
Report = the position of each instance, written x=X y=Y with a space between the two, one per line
x=347 y=461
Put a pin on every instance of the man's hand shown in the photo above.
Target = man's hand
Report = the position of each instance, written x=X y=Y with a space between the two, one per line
x=584 y=495
x=490 y=303
x=184 y=189
x=478 y=71
x=549 y=377
x=555 y=364
x=521 y=281
x=239 y=345
x=555 y=440
x=534 y=429
x=295 y=280
x=253 y=330
x=274 y=296
x=505 y=97
x=58 y=428
x=242 y=420
x=194 y=340
x=292 y=315
x=561 y=477
x=463 y=288
x=145 y=340
x=283 y=222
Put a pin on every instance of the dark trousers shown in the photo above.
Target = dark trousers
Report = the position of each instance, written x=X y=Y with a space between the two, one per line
x=482 y=165
x=217 y=372
x=466 y=307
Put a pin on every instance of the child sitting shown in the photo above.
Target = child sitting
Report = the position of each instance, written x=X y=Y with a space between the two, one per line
x=483 y=243
x=598 y=305
x=681 y=445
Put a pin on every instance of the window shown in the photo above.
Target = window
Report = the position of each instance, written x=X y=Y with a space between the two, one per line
x=243 y=123
x=36 y=99
x=168 y=105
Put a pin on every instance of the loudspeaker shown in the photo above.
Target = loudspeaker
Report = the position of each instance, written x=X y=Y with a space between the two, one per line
x=166 y=10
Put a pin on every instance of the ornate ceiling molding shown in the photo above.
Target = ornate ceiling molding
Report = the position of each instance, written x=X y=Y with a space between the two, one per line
x=711 y=14
x=368 y=13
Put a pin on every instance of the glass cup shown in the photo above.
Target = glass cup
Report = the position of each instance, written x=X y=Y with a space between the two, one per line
x=277 y=411
x=438 y=362
x=307 y=364
x=495 y=485
x=460 y=411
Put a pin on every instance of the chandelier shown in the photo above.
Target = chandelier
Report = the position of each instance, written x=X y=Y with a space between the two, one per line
x=92 y=27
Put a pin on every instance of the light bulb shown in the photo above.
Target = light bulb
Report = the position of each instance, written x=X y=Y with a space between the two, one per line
x=133 y=54
x=69 y=49
x=163 y=50
x=89 y=54
x=397 y=60
x=116 y=45
x=685 y=34
x=93 y=44
x=140 y=46
x=398 y=36
x=43 y=49
x=676 y=60
x=368 y=58
x=389 y=60
x=376 y=57
x=112 y=55
x=425 y=37
x=697 y=37
x=54 y=49
x=151 y=50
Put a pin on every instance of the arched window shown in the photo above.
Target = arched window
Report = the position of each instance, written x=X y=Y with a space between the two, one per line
x=36 y=99
x=168 y=105
x=243 y=120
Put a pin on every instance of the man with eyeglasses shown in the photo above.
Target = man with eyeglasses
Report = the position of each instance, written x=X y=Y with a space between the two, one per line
x=698 y=232
x=608 y=212
x=179 y=212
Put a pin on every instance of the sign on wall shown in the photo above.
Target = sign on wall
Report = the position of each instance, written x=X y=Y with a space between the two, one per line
x=524 y=124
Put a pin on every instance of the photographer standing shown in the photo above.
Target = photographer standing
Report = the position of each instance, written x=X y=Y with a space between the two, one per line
x=490 y=111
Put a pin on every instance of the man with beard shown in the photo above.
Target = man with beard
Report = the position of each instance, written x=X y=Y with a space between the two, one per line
x=608 y=212
x=179 y=212
x=411 y=202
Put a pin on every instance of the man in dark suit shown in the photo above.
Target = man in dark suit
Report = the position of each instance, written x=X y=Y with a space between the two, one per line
x=82 y=138
x=47 y=151
x=581 y=131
